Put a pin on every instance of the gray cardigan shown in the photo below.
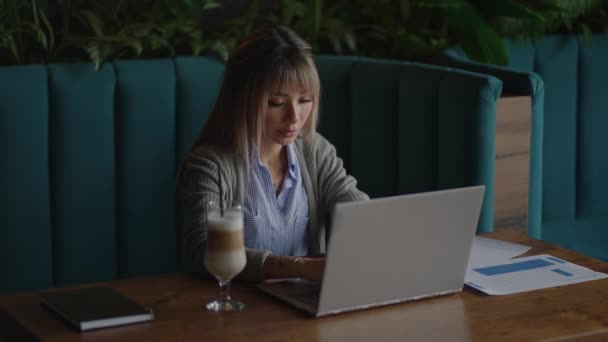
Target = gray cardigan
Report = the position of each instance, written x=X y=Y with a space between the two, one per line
x=324 y=179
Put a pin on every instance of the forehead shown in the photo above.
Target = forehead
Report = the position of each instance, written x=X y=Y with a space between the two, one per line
x=292 y=80
x=289 y=89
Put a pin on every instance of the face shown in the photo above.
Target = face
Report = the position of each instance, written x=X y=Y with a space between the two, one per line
x=288 y=110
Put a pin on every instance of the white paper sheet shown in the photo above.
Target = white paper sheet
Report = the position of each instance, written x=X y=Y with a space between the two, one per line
x=486 y=251
x=528 y=273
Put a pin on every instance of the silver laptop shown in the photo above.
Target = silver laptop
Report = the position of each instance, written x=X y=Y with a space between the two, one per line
x=390 y=250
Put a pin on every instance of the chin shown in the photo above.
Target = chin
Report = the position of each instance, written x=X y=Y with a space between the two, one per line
x=285 y=141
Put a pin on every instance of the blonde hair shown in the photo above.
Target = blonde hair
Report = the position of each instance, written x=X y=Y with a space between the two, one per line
x=266 y=61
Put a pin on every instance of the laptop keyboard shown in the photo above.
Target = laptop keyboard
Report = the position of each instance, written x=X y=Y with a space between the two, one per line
x=300 y=291
x=310 y=299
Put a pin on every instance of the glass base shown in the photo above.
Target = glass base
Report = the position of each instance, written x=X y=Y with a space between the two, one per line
x=221 y=304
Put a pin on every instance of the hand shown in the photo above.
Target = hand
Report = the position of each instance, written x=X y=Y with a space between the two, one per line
x=280 y=267
x=311 y=268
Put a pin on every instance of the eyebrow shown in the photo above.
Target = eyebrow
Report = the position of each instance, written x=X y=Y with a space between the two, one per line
x=285 y=94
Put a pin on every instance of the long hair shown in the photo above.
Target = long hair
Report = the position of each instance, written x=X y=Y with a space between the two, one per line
x=266 y=61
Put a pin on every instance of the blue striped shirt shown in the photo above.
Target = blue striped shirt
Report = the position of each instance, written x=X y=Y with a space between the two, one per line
x=276 y=223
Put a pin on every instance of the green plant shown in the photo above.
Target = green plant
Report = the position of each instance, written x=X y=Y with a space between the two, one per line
x=564 y=16
x=317 y=21
x=421 y=29
x=44 y=31
x=103 y=30
x=402 y=29
x=117 y=28
x=26 y=33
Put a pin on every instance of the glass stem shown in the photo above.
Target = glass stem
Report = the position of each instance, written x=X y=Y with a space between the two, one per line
x=225 y=286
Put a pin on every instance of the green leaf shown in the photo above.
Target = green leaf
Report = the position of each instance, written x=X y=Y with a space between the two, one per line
x=94 y=22
x=350 y=40
x=440 y=4
x=211 y=4
x=336 y=6
x=94 y=53
x=476 y=36
x=12 y=47
x=302 y=10
x=588 y=34
x=66 y=14
x=49 y=28
x=35 y=12
x=566 y=21
x=137 y=46
x=137 y=30
x=404 y=8
x=197 y=47
x=577 y=7
x=158 y=42
x=316 y=17
x=335 y=43
x=38 y=33
x=550 y=5
x=509 y=8
x=221 y=49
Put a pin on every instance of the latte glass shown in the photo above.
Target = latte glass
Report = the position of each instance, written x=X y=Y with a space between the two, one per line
x=225 y=253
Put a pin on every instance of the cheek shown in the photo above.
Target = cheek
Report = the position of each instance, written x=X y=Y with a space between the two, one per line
x=307 y=110
x=271 y=118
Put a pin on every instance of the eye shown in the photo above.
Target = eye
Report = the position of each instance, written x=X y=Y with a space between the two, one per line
x=305 y=100
x=275 y=101
x=272 y=103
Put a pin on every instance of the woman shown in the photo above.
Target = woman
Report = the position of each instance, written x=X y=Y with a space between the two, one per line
x=261 y=134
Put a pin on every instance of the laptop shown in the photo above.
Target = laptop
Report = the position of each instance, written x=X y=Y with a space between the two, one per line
x=390 y=250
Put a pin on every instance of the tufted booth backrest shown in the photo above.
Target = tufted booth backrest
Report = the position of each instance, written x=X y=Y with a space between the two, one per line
x=407 y=127
x=87 y=189
x=575 y=186
x=576 y=123
x=568 y=176
x=87 y=173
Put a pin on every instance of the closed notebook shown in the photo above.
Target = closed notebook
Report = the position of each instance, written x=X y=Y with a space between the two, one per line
x=96 y=307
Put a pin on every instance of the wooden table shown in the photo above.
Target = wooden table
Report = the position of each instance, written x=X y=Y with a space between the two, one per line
x=570 y=313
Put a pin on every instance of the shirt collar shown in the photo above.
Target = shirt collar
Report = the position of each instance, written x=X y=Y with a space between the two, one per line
x=292 y=160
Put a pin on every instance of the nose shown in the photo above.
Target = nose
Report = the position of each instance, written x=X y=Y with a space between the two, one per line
x=292 y=113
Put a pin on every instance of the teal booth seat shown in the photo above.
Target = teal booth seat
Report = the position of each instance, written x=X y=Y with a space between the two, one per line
x=572 y=185
x=88 y=158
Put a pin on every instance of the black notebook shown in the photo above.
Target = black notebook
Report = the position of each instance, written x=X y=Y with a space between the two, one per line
x=96 y=307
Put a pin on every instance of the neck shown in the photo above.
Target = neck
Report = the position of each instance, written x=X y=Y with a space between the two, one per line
x=270 y=154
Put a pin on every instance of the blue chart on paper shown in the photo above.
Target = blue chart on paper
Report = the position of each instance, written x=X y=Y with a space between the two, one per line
x=556 y=260
x=562 y=272
x=514 y=267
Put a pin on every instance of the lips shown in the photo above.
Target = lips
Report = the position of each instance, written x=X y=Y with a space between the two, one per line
x=288 y=133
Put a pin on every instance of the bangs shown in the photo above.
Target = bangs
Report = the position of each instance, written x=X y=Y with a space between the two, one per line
x=293 y=72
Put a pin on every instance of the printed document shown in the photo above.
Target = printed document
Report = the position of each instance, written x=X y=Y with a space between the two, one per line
x=527 y=274
x=486 y=251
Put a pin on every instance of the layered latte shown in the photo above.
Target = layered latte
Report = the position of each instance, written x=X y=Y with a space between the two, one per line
x=225 y=253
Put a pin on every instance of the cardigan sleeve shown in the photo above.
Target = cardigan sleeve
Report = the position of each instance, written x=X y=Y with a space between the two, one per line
x=199 y=183
x=334 y=183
